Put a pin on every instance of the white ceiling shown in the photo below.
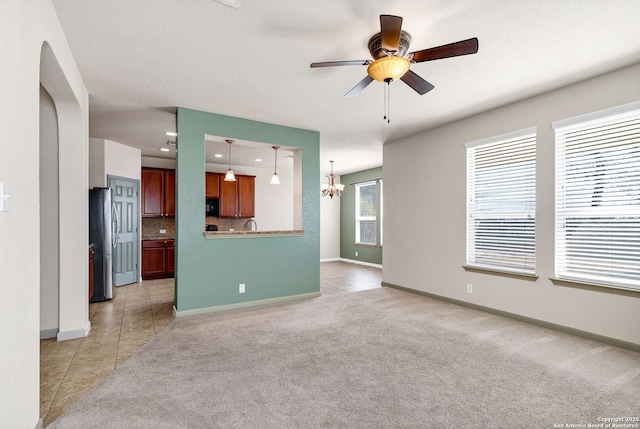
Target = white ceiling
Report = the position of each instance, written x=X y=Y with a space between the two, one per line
x=140 y=59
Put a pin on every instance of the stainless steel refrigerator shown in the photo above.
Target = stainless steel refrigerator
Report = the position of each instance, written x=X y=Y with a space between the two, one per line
x=102 y=227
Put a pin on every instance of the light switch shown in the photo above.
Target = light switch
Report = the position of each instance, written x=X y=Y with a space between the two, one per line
x=4 y=197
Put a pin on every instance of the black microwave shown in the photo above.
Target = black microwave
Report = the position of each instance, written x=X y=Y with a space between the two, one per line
x=212 y=207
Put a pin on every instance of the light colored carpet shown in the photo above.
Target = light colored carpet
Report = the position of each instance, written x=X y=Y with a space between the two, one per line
x=381 y=358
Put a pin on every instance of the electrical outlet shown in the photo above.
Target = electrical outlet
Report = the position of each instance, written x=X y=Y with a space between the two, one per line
x=241 y=288
x=469 y=288
x=163 y=231
x=356 y=253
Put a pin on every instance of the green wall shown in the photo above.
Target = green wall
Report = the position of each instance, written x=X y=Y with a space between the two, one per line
x=348 y=248
x=208 y=272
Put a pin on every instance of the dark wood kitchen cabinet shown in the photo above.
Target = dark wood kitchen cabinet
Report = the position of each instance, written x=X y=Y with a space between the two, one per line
x=170 y=259
x=212 y=185
x=158 y=192
x=237 y=199
x=158 y=259
x=92 y=255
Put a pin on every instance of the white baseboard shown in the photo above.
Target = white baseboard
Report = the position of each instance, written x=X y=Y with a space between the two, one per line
x=48 y=333
x=353 y=261
x=40 y=424
x=239 y=305
x=76 y=333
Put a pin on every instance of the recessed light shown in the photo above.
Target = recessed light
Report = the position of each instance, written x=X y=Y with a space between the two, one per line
x=258 y=160
x=164 y=149
x=218 y=155
x=171 y=134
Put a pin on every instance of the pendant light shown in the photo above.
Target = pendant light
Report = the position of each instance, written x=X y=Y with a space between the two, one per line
x=230 y=177
x=275 y=180
x=332 y=188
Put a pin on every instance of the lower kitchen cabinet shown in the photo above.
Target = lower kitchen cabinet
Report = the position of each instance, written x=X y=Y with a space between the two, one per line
x=158 y=259
x=92 y=255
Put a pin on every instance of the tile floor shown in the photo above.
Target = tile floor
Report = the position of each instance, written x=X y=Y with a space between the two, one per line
x=119 y=327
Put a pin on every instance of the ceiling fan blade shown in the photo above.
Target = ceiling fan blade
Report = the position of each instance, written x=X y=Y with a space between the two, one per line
x=390 y=27
x=418 y=84
x=341 y=63
x=464 y=47
x=359 y=87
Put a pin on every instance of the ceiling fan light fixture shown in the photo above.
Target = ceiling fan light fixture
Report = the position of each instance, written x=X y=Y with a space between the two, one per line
x=385 y=68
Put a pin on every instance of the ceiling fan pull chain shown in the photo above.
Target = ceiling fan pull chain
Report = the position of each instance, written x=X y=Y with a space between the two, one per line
x=384 y=102
x=388 y=103
x=387 y=116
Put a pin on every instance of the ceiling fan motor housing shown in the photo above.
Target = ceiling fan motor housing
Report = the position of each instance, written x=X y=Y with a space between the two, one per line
x=377 y=52
x=391 y=57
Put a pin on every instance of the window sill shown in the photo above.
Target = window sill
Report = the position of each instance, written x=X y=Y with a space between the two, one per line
x=504 y=273
x=619 y=290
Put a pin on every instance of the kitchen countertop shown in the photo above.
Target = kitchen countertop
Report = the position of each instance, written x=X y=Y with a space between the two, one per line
x=211 y=235
x=160 y=237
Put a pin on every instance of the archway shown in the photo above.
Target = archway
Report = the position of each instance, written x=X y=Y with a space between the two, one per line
x=67 y=184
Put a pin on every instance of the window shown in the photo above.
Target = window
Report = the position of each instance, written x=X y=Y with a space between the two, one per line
x=598 y=198
x=366 y=213
x=501 y=202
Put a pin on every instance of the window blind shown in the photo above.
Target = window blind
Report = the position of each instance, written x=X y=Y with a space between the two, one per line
x=598 y=200
x=366 y=213
x=501 y=202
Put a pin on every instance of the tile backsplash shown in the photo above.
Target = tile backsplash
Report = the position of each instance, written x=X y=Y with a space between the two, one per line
x=225 y=224
x=151 y=227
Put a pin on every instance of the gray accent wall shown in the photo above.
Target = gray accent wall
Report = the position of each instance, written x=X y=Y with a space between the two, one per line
x=348 y=248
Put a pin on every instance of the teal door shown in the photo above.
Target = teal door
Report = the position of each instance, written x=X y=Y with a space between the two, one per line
x=125 y=252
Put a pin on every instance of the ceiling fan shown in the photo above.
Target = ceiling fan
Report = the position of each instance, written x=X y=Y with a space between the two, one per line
x=391 y=61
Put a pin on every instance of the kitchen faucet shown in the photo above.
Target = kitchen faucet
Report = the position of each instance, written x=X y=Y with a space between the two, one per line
x=246 y=224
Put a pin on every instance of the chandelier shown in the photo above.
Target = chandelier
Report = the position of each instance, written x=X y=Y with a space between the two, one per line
x=332 y=188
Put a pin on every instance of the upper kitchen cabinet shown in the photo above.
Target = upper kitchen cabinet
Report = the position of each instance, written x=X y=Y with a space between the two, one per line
x=212 y=185
x=169 y=192
x=237 y=199
x=158 y=192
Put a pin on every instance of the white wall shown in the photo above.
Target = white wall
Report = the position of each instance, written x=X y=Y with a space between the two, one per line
x=152 y=162
x=49 y=218
x=122 y=161
x=424 y=246
x=97 y=174
x=329 y=226
x=108 y=158
x=26 y=24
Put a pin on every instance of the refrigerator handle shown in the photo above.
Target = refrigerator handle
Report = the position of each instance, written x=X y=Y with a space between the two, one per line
x=116 y=222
